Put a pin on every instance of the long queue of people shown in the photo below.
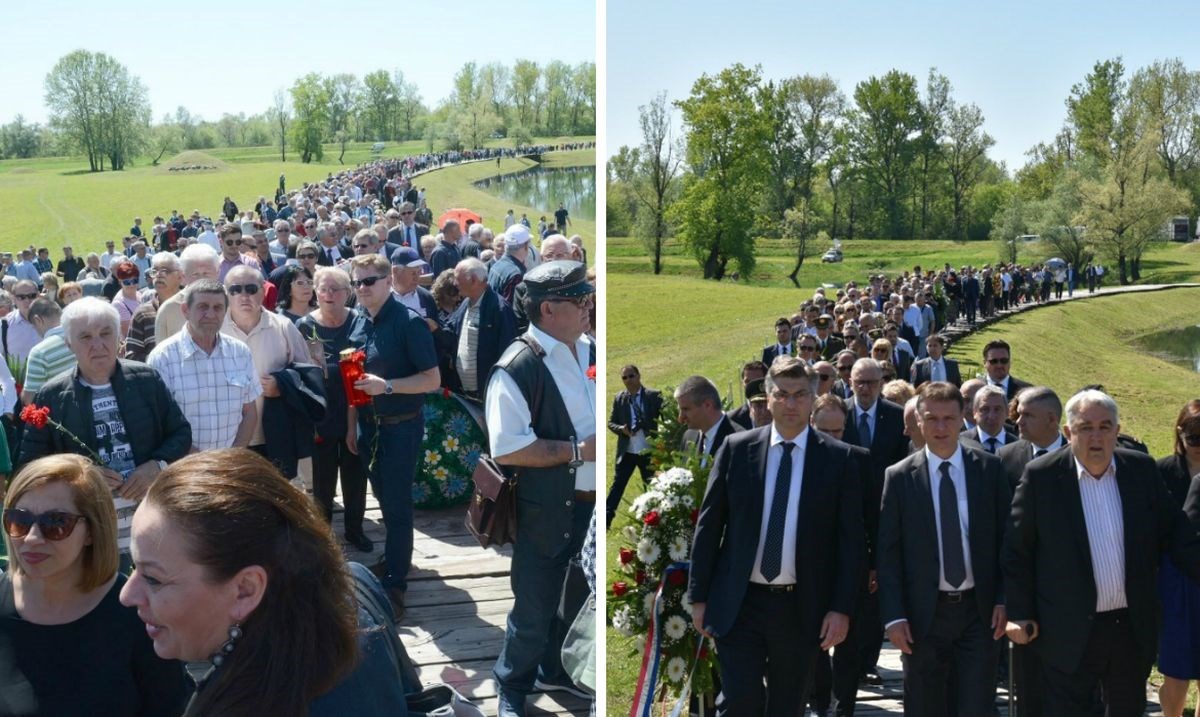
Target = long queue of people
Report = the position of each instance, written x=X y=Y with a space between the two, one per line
x=193 y=378
x=961 y=517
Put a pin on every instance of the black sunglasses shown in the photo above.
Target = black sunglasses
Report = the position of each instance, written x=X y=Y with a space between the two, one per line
x=235 y=289
x=53 y=525
x=233 y=242
x=1000 y=361
x=628 y=376
x=128 y=282
x=365 y=281
x=306 y=256
x=26 y=297
x=1192 y=439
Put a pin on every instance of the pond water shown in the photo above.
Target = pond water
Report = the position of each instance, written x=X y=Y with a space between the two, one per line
x=1181 y=346
x=544 y=187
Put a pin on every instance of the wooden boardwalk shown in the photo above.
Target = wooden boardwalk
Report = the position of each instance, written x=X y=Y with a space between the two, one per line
x=458 y=600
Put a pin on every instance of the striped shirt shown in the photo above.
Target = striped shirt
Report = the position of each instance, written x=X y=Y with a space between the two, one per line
x=47 y=359
x=211 y=389
x=468 y=349
x=1106 y=535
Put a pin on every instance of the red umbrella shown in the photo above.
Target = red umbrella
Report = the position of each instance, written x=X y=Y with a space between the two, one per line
x=463 y=216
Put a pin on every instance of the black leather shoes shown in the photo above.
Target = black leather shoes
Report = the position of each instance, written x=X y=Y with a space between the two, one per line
x=397 y=597
x=511 y=705
x=360 y=542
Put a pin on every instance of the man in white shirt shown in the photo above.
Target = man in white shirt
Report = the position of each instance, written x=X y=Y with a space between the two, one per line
x=990 y=410
x=21 y=335
x=109 y=254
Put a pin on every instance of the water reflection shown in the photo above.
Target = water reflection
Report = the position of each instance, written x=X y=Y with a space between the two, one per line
x=1180 y=346
x=543 y=188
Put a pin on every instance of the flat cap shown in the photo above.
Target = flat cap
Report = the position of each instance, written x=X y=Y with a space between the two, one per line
x=558 y=278
x=756 y=390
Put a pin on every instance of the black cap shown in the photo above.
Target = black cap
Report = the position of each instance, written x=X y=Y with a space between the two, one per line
x=558 y=278
x=756 y=390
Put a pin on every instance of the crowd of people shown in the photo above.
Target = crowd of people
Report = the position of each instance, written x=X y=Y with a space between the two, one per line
x=868 y=487
x=168 y=404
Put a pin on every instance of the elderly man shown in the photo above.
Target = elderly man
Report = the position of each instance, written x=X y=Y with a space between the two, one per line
x=212 y=376
x=167 y=278
x=554 y=248
x=553 y=445
x=283 y=242
x=231 y=250
x=401 y=365
x=408 y=232
x=117 y=411
x=407 y=269
x=50 y=356
x=508 y=270
x=1088 y=530
x=329 y=251
x=141 y=259
x=20 y=335
x=446 y=254
x=196 y=262
x=990 y=409
x=24 y=268
x=274 y=341
x=483 y=324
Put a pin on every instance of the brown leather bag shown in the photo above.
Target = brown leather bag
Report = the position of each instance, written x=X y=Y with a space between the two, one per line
x=492 y=513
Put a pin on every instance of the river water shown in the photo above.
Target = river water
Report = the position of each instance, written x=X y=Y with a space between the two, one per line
x=1181 y=346
x=544 y=188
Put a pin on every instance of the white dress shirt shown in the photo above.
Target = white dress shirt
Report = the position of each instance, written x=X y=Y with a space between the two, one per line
x=1057 y=443
x=937 y=369
x=787 y=570
x=1106 y=534
x=709 y=437
x=984 y=436
x=958 y=476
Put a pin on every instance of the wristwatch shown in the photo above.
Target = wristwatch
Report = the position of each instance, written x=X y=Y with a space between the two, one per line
x=576 y=457
x=387 y=388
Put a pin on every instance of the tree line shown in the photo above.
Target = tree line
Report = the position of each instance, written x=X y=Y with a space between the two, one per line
x=798 y=161
x=98 y=109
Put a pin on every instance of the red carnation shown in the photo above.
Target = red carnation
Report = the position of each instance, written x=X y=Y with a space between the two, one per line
x=620 y=588
x=639 y=577
x=651 y=518
x=36 y=416
x=626 y=556
x=677 y=577
x=704 y=651
x=695 y=515
x=591 y=372
x=445 y=393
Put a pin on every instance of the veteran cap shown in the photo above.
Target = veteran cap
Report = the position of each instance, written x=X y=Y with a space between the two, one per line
x=563 y=278
x=756 y=390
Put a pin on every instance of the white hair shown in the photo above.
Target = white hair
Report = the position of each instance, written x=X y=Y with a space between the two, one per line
x=475 y=230
x=198 y=254
x=473 y=267
x=164 y=259
x=1091 y=397
x=989 y=390
x=86 y=311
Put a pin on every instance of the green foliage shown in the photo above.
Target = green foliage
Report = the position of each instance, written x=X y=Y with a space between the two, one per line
x=102 y=110
x=887 y=115
x=21 y=140
x=310 y=105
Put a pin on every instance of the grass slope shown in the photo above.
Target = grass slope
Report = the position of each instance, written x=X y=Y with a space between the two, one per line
x=51 y=202
x=1063 y=346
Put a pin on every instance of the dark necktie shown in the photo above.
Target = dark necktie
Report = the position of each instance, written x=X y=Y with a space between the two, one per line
x=864 y=430
x=700 y=446
x=953 y=564
x=1040 y=452
x=991 y=445
x=772 y=556
x=329 y=253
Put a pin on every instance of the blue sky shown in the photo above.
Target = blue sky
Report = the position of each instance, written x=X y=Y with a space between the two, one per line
x=1016 y=60
x=217 y=56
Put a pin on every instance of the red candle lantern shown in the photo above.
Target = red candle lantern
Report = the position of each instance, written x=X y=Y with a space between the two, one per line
x=350 y=363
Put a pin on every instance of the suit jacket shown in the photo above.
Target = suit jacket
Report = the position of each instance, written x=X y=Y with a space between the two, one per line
x=831 y=348
x=691 y=437
x=339 y=252
x=971 y=437
x=909 y=563
x=842 y=390
x=652 y=401
x=396 y=235
x=1015 y=456
x=921 y=370
x=1014 y=387
x=770 y=353
x=497 y=329
x=1047 y=558
x=741 y=415
x=829 y=536
x=888 y=447
x=904 y=365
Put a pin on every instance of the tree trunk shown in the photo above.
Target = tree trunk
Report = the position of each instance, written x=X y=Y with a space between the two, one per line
x=710 y=264
x=1135 y=268
x=658 y=242
x=161 y=152
x=1121 y=272
x=796 y=269
x=721 y=268
x=343 y=154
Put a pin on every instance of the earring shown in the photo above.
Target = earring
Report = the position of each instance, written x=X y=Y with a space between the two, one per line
x=235 y=634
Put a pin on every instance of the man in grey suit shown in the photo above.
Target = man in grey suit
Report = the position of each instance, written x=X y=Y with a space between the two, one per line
x=990 y=408
x=935 y=367
x=700 y=410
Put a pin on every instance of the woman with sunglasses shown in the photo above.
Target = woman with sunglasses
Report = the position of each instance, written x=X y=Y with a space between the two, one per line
x=296 y=295
x=1179 y=642
x=67 y=645
x=126 y=301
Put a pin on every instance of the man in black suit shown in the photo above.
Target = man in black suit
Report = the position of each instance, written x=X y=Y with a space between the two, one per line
x=997 y=361
x=877 y=425
x=968 y=390
x=941 y=527
x=990 y=409
x=407 y=232
x=778 y=551
x=783 y=346
x=700 y=410
x=1088 y=529
x=828 y=345
x=901 y=359
x=1039 y=414
x=844 y=363
x=634 y=420
x=935 y=367
x=971 y=295
x=751 y=370
x=329 y=251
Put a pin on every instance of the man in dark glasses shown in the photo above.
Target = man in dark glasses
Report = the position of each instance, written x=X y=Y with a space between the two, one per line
x=231 y=241
x=997 y=361
x=634 y=420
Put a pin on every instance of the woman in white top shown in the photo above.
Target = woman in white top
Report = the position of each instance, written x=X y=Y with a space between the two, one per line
x=126 y=299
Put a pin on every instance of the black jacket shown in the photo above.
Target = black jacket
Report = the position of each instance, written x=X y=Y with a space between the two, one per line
x=289 y=420
x=652 y=401
x=154 y=424
x=497 y=329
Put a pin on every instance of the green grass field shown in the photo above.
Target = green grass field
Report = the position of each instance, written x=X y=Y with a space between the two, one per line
x=676 y=324
x=55 y=201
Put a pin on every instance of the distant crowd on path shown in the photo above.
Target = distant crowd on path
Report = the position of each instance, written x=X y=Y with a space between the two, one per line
x=202 y=334
x=1023 y=478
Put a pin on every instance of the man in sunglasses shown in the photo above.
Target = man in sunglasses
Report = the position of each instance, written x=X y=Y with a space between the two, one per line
x=634 y=420
x=230 y=237
x=997 y=361
x=21 y=335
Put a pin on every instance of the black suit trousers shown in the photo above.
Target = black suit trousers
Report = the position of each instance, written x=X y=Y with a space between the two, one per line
x=858 y=653
x=766 y=640
x=957 y=636
x=625 y=465
x=1110 y=663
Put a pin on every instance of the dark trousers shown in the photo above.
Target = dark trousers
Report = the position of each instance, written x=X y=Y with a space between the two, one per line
x=534 y=635
x=957 y=636
x=1112 y=663
x=822 y=684
x=1058 y=289
x=1028 y=676
x=766 y=640
x=394 y=457
x=971 y=307
x=331 y=457
x=625 y=465
x=858 y=653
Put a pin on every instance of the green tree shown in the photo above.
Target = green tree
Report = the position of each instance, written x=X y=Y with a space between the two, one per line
x=964 y=151
x=408 y=105
x=100 y=107
x=343 y=91
x=525 y=79
x=583 y=99
x=1053 y=219
x=280 y=117
x=725 y=141
x=310 y=105
x=379 y=103
x=1168 y=100
x=1093 y=107
x=1011 y=222
x=472 y=115
x=19 y=139
x=884 y=127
